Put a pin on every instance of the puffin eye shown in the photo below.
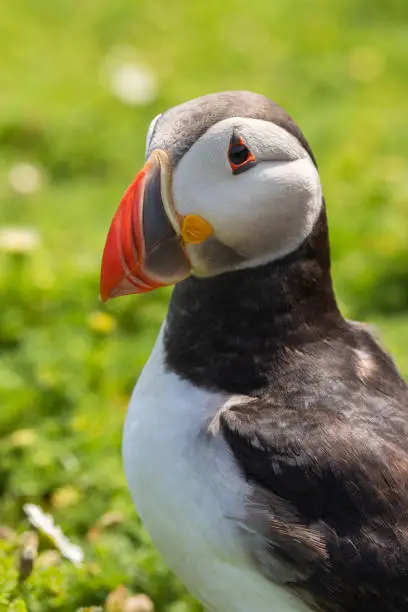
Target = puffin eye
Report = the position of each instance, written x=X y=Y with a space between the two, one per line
x=239 y=156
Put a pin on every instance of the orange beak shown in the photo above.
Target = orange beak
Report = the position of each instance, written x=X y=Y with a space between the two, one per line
x=144 y=249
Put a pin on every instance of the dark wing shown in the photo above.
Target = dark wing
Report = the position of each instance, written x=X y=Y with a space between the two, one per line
x=329 y=500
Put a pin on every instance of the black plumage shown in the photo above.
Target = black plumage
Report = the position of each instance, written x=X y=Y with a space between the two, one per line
x=323 y=440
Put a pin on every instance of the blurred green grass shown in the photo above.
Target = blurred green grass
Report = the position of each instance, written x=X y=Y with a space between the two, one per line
x=68 y=363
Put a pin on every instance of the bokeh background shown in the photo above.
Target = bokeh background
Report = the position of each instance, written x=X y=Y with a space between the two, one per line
x=79 y=84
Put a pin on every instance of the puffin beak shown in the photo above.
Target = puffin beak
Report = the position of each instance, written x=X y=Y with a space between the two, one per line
x=144 y=248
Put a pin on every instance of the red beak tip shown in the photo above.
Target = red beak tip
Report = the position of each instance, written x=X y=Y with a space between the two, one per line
x=107 y=293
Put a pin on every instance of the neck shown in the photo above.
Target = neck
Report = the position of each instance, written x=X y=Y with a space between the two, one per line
x=231 y=332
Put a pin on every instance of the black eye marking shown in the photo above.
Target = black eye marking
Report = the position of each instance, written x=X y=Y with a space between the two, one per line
x=239 y=156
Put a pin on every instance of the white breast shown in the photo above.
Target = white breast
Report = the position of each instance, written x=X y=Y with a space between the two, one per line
x=189 y=494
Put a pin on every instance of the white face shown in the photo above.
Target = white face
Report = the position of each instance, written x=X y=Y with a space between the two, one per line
x=263 y=213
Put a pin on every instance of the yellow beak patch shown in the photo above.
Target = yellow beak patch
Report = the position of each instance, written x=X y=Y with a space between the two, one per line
x=195 y=229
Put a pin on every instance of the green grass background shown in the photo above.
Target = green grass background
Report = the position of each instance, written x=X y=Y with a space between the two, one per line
x=67 y=362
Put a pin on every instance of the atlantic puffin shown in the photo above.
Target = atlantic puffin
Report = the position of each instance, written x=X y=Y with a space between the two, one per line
x=266 y=442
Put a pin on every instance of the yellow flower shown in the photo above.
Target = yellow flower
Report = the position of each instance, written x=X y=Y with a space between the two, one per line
x=65 y=496
x=23 y=437
x=101 y=322
x=366 y=64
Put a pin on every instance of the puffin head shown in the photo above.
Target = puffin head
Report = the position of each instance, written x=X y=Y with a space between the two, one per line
x=229 y=183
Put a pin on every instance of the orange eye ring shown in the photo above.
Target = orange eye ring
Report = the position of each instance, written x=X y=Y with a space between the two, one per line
x=240 y=157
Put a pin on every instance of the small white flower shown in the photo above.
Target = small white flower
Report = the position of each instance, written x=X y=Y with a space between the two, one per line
x=134 y=84
x=19 y=239
x=45 y=524
x=25 y=178
x=127 y=77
